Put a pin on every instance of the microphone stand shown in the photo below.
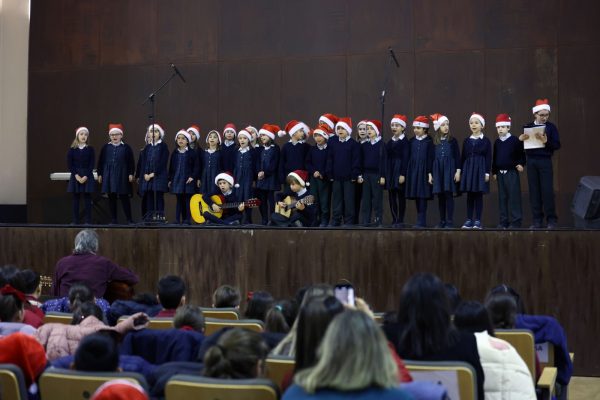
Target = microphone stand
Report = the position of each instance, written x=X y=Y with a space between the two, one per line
x=391 y=59
x=154 y=217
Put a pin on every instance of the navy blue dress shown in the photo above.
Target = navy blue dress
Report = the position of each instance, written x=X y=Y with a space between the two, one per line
x=114 y=166
x=268 y=162
x=244 y=173
x=181 y=167
x=211 y=166
x=445 y=164
x=81 y=162
x=292 y=158
x=154 y=159
x=476 y=162
x=229 y=155
x=420 y=164
x=397 y=159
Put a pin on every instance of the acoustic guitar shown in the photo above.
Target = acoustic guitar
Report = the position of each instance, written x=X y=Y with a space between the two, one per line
x=198 y=206
x=291 y=204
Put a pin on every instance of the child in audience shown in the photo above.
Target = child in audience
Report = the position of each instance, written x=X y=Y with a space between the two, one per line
x=476 y=162
x=418 y=171
x=183 y=170
x=211 y=163
x=293 y=153
x=154 y=175
x=194 y=132
x=446 y=172
x=343 y=168
x=372 y=180
x=226 y=296
x=171 y=295
x=316 y=165
x=244 y=171
x=280 y=317
x=229 y=147
x=397 y=156
x=267 y=182
x=507 y=163
x=304 y=212
x=259 y=303
x=81 y=161
x=189 y=318
x=12 y=312
x=115 y=172
x=79 y=293
x=97 y=352
x=230 y=216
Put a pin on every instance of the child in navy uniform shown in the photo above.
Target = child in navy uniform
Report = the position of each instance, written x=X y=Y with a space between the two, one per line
x=343 y=168
x=244 y=170
x=183 y=168
x=507 y=163
x=211 y=163
x=418 y=171
x=115 y=171
x=476 y=168
x=316 y=164
x=446 y=171
x=194 y=132
x=293 y=153
x=374 y=161
x=302 y=214
x=227 y=190
x=81 y=161
x=229 y=147
x=154 y=174
x=397 y=150
x=361 y=137
x=267 y=159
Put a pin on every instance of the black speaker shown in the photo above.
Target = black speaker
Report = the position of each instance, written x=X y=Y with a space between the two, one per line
x=586 y=202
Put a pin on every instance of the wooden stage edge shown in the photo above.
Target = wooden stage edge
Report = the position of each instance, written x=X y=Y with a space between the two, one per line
x=555 y=271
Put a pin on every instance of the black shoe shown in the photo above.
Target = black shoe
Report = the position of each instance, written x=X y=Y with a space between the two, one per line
x=552 y=225
x=536 y=225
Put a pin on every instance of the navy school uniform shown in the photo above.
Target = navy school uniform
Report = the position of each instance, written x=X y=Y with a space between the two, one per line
x=298 y=218
x=228 y=155
x=374 y=167
x=154 y=159
x=343 y=168
x=115 y=164
x=244 y=173
x=509 y=153
x=397 y=157
x=292 y=158
x=445 y=164
x=211 y=165
x=316 y=160
x=267 y=161
x=420 y=165
x=230 y=216
x=182 y=166
x=476 y=162
x=81 y=162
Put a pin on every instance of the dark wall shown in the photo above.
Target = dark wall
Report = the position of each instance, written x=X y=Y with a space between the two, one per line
x=251 y=62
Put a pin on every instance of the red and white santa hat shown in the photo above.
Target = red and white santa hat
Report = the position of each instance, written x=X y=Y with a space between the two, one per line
x=362 y=122
x=184 y=133
x=399 y=119
x=158 y=128
x=479 y=118
x=346 y=123
x=438 y=119
x=329 y=119
x=503 y=120
x=294 y=126
x=323 y=130
x=301 y=176
x=120 y=389
x=195 y=130
x=376 y=125
x=115 y=128
x=81 y=129
x=421 y=121
x=270 y=130
x=253 y=131
x=541 y=104
x=229 y=127
x=218 y=135
x=226 y=176
x=245 y=133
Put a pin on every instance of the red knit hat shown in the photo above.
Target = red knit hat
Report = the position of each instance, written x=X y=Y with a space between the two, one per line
x=270 y=130
x=421 y=121
x=479 y=118
x=301 y=176
x=503 y=120
x=323 y=130
x=438 y=119
x=229 y=127
x=114 y=128
x=400 y=119
x=195 y=130
x=329 y=119
x=346 y=123
x=120 y=389
x=541 y=104
x=375 y=124
x=218 y=135
x=294 y=126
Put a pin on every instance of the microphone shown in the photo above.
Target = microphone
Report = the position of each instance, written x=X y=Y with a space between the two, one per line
x=391 y=54
x=183 y=79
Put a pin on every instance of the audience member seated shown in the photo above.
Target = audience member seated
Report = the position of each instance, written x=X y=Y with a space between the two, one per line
x=423 y=330
x=97 y=353
x=26 y=353
x=12 y=312
x=258 y=304
x=120 y=389
x=61 y=340
x=126 y=363
x=353 y=362
x=11 y=275
x=189 y=318
x=159 y=346
x=506 y=374
x=78 y=294
x=454 y=298
x=84 y=265
x=143 y=302
x=280 y=317
x=238 y=354
x=171 y=295
x=32 y=288
x=226 y=296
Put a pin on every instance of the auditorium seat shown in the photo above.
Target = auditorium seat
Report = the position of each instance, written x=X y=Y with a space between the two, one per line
x=12 y=382
x=278 y=367
x=214 y=324
x=459 y=378
x=58 y=317
x=221 y=313
x=183 y=387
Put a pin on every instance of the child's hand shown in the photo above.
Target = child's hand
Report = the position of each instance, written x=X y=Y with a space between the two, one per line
x=281 y=204
x=430 y=179
x=198 y=183
x=317 y=174
x=146 y=177
x=401 y=179
x=520 y=168
x=130 y=178
x=495 y=177
x=83 y=179
x=382 y=181
x=541 y=137
x=261 y=175
x=300 y=206
x=487 y=177
x=523 y=137
x=457 y=176
x=216 y=208
x=189 y=180
x=99 y=178
x=241 y=207
x=360 y=179
x=169 y=184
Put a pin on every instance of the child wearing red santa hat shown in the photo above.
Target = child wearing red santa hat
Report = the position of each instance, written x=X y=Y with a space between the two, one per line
x=81 y=161
x=183 y=170
x=293 y=153
x=303 y=209
x=211 y=163
x=418 y=171
x=316 y=165
x=397 y=152
x=267 y=182
x=228 y=194
x=372 y=178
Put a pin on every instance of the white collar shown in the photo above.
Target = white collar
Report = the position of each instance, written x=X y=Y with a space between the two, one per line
x=395 y=139
x=296 y=142
x=503 y=138
x=374 y=141
x=227 y=193
x=244 y=149
x=228 y=142
x=182 y=151
x=118 y=144
x=480 y=136
x=322 y=147
x=210 y=151
x=363 y=140
x=301 y=192
x=343 y=140
x=420 y=137
x=82 y=146
x=159 y=141
x=445 y=137
x=268 y=147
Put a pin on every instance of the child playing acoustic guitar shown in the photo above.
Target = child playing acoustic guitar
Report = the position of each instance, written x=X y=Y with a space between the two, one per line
x=300 y=210
x=230 y=216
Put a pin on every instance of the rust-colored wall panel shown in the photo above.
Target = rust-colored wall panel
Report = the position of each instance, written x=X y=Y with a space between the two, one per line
x=578 y=23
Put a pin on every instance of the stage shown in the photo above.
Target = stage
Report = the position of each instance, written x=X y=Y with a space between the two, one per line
x=554 y=271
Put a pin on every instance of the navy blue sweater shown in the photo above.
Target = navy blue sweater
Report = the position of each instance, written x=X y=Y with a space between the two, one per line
x=552 y=144
x=316 y=160
x=507 y=154
x=292 y=158
x=343 y=160
x=228 y=157
x=374 y=158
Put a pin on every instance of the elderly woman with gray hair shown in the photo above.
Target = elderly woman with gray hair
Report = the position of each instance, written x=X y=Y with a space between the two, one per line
x=85 y=266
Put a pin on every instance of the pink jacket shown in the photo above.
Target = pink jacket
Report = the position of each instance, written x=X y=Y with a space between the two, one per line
x=62 y=340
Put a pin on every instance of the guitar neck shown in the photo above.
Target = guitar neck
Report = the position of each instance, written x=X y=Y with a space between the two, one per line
x=232 y=205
